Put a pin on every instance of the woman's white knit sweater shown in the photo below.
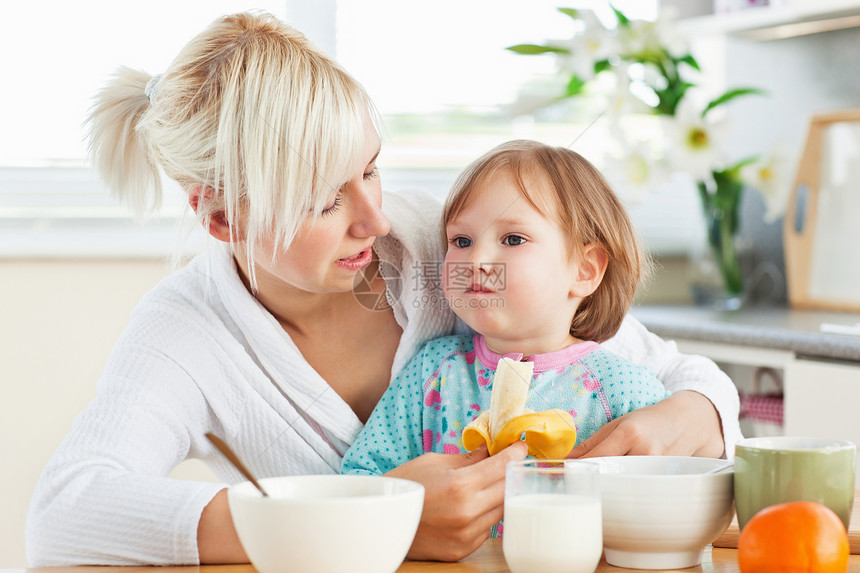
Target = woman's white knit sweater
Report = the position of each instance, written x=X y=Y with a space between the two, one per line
x=202 y=355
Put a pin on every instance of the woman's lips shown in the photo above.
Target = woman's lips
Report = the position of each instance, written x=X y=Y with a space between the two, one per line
x=357 y=261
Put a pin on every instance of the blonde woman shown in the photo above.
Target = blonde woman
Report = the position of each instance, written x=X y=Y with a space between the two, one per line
x=262 y=340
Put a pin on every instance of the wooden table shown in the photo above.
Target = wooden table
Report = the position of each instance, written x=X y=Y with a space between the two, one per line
x=487 y=559
x=722 y=558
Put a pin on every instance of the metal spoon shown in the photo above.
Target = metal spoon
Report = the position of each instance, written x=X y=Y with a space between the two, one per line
x=721 y=467
x=234 y=459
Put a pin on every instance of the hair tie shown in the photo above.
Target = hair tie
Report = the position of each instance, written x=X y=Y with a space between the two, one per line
x=151 y=88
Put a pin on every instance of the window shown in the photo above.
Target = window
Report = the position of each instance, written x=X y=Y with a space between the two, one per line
x=447 y=89
x=51 y=202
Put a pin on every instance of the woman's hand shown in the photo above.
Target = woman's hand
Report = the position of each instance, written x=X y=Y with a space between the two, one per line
x=684 y=424
x=463 y=498
x=217 y=540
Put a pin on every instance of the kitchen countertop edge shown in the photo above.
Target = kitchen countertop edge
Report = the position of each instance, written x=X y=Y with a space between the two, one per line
x=777 y=328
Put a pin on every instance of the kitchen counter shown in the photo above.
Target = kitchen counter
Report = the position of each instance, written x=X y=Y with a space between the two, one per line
x=818 y=372
x=797 y=331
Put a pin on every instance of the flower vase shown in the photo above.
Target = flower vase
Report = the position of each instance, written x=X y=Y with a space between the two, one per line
x=719 y=282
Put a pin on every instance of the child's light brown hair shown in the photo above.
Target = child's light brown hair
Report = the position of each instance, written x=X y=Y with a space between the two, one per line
x=583 y=204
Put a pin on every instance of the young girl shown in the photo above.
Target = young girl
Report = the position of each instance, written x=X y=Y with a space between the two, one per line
x=261 y=340
x=543 y=263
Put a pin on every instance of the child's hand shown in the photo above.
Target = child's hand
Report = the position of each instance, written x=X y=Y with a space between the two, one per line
x=463 y=498
x=684 y=424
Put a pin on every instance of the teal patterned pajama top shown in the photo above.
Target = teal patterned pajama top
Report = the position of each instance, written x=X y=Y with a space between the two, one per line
x=448 y=384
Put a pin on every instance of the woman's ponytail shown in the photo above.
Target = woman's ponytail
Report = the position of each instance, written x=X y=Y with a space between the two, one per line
x=119 y=147
x=249 y=113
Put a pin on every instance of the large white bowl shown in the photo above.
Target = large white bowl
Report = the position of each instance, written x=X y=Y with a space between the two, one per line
x=660 y=512
x=327 y=523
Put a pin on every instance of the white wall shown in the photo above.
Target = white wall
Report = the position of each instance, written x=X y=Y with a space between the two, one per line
x=58 y=322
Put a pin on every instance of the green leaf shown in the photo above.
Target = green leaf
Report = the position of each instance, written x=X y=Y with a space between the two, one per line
x=601 y=66
x=536 y=49
x=690 y=61
x=572 y=12
x=669 y=98
x=730 y=95
x=623 y=20
x=735 y=169
x=574 y=86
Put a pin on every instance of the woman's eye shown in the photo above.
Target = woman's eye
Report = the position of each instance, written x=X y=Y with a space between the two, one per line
x=331 y=209
x=371 y=174
x=461 y=242
x=513 y=240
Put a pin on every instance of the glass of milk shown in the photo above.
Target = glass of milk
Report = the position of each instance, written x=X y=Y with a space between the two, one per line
x=553 y=521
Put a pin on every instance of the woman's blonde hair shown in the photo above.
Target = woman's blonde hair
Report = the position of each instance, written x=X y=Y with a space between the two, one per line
x=563 y=186
x=251 y=112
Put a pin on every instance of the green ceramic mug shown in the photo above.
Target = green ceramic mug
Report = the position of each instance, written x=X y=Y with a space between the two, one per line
x=782 y=469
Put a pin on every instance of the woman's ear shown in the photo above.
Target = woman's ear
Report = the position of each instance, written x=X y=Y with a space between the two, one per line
x=592 y=266
x=218 y=226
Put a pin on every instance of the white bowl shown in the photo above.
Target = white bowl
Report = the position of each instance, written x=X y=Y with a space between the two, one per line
x=327 y=523
x=660 y=512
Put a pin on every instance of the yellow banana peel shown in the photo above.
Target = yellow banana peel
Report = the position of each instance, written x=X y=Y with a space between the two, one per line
x=548 y=434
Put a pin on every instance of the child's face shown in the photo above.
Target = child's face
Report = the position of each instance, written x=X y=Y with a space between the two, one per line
x=508 y=273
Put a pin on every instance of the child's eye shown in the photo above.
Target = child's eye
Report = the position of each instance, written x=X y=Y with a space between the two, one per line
x=461 y=242
x=513 y=240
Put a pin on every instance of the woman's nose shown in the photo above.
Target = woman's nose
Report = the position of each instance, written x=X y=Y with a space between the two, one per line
x=369 y=220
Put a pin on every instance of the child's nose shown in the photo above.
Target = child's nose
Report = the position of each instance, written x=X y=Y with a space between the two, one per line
x=482 y=257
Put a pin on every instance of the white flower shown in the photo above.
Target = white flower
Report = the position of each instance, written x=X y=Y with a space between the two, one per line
x=695 y=144
x=636 y=171
x=772 y=177
x=639 y=38
x=642 y=37
x=650 y=75
x=622 y=99
x=592 y=44
x=651 y=66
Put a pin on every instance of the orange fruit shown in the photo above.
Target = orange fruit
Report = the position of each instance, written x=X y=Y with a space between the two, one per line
x=801 y=536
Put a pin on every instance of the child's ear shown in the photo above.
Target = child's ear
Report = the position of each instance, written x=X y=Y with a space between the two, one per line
x=218 y=226
x=592 y=267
